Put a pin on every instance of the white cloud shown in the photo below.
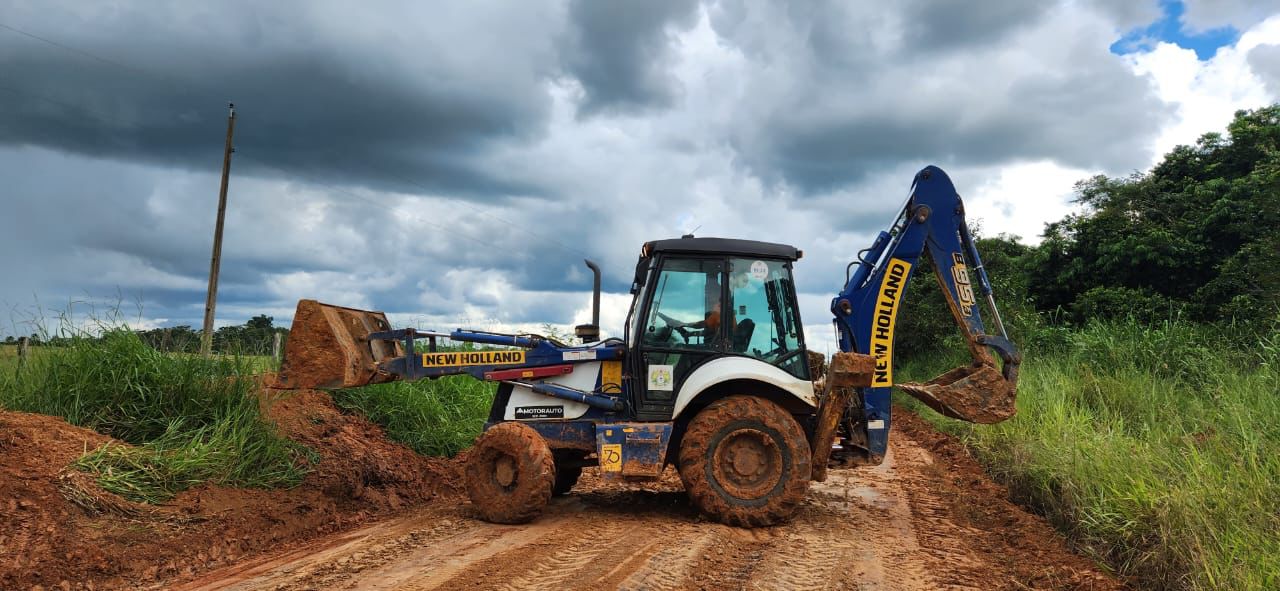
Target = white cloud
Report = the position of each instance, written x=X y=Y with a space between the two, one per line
x=1207 y=94
x=1020 y=198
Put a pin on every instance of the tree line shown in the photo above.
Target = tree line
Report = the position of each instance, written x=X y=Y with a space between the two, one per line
x=1196 y=238
x=255 y=337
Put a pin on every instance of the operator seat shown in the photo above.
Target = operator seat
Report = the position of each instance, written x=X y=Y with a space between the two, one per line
x=742 y=335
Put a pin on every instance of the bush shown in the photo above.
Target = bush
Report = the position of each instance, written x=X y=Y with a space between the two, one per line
x=433 y=417
x=1118 y=303
x=194 y=419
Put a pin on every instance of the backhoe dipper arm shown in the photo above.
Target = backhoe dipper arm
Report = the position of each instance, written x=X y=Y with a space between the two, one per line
x=867 y=308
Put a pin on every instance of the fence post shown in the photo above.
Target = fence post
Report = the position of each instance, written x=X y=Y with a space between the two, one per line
x=24 y=347
x=275 y=348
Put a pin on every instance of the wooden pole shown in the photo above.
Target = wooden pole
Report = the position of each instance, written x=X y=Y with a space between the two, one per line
x=211 y=300
x=24 y=345
x=275 y=348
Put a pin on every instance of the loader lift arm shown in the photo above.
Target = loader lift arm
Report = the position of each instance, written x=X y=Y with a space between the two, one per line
x=867 y=307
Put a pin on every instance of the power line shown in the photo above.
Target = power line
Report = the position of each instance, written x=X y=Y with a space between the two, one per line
x=105 y=60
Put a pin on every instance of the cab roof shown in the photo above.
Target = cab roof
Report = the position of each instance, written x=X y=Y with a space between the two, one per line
x=727 y=246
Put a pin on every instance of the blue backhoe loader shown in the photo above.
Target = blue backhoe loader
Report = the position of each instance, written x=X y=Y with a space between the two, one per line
x=711 y=374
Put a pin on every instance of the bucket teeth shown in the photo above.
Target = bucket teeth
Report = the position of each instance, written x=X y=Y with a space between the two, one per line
x=329 y=347
x=976 y=394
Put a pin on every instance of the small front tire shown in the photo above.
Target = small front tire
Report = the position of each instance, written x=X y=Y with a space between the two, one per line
x=510 y=474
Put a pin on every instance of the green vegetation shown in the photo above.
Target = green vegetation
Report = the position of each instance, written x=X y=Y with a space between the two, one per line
x=433 y=417
x=193 y=419
x=1196 y=234
x=1155 y=448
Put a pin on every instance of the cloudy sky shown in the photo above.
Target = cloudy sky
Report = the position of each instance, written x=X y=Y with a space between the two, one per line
x=453 y=163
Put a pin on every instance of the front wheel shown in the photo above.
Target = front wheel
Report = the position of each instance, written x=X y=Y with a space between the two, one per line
x=510 y=473
x=745 y=461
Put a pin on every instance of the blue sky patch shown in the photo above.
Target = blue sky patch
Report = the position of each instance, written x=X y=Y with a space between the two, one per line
x=1170 y=29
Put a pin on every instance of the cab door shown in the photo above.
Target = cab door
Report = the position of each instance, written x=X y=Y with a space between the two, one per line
x=680 y=328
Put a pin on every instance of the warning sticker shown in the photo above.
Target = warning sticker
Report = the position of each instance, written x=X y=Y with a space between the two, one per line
x=611 y=375
x=611 y=457
x=759 y=270
x=579 y=355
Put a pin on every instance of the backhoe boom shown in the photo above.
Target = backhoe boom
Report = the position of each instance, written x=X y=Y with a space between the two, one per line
x=867 y=308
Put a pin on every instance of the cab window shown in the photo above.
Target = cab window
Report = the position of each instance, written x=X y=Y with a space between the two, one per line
x=762 y=313
x=685 y=310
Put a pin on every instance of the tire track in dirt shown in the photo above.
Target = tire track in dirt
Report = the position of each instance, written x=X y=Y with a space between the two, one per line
x=577 y=561
x=327 y=564
x=667 y=567
x=548 y=546
x=440 y=562
x=817 y=552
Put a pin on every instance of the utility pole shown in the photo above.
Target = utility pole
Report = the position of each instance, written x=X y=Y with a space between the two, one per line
x=211 y=301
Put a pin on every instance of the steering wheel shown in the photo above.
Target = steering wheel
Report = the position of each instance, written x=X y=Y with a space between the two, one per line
x=672 y=323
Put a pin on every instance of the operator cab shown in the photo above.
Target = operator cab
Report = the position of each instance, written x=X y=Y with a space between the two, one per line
x=699 y=299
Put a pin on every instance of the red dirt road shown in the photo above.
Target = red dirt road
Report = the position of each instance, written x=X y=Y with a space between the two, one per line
x=925 y=519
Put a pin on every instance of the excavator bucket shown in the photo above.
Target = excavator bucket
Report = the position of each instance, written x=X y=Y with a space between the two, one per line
x=978 y=394
x=329 y=347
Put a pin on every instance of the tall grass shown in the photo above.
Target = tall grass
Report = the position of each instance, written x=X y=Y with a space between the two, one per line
x=433 y=417
x=1155 y=448
x=193 y=419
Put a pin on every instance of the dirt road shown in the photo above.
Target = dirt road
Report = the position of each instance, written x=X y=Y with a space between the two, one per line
x=925 y=519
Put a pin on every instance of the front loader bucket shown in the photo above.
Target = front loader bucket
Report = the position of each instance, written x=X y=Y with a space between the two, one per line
x=978 y=394
x=329 y=347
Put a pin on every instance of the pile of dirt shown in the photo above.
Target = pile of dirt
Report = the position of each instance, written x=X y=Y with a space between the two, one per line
x=61 y=530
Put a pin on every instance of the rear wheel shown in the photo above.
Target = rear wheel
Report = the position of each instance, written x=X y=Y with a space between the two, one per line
x=745 y=461
x=510 y=474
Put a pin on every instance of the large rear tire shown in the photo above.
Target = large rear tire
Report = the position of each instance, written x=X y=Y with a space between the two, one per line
x=745 y=462
x=510 y=474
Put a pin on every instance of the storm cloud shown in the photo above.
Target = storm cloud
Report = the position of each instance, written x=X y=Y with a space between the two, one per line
x=453 y=163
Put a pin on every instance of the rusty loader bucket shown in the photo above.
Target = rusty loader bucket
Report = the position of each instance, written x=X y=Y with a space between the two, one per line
x=979 y=393
x=329 y=347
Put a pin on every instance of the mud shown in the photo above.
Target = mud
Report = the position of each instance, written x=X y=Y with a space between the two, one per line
x=328 y=347
x=975 y=394
x=59 y=530
x=925 y=519
x=520 y=494
x=780 y=487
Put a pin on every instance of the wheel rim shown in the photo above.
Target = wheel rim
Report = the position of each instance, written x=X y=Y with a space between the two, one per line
x=504 y=471
x=747 y=463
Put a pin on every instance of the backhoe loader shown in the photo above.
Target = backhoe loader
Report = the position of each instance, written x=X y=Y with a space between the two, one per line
x=711 y=374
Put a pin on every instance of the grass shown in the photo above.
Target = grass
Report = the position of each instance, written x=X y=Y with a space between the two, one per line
x=192 y=419
x=1155 y=448
x=433 y=417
